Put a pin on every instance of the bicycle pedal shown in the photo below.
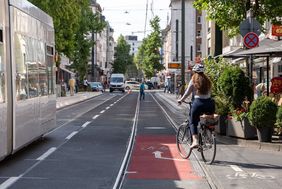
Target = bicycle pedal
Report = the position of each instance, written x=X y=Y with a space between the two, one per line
x=200 y=149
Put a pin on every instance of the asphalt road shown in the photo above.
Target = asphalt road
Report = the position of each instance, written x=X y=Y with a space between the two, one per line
x=89 y=145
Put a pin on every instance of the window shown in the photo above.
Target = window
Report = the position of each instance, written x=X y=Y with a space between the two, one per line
x=199 y=33
x=280 y=68
x=199 y=19
x=198 y=48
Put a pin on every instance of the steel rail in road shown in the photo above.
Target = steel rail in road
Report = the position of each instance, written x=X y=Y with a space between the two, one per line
x=124 y=165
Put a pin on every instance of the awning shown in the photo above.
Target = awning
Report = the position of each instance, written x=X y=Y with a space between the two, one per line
x=66 y=70
x=267 y=48
x=232 y=53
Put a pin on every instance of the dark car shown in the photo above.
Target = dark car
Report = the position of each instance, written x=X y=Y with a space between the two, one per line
x=96 y=86
x=150 y=85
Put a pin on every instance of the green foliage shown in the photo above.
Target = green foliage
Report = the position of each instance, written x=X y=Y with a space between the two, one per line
x=222 y=105
x=279 y=118
x=214 y=68
x=148 y=57
x=123 y=58
x=263 y=112
x=234 y=84
x=73 y=21
x=235 y=11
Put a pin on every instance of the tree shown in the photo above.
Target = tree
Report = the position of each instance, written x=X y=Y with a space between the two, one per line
x=123 y=58
x=73 y=23
x=229 y=13
x=148 y=57
x=66 y=15
x=88 y=23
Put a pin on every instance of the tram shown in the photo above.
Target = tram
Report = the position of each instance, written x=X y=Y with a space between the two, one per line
x=27 y=75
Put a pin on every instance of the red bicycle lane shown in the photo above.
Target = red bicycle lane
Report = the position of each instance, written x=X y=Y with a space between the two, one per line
x=156 y=157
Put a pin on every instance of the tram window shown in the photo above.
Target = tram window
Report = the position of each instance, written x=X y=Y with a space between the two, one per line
x=2 y=76
x=1 y=36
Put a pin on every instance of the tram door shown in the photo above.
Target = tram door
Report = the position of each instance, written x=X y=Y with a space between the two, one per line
x=3 y=87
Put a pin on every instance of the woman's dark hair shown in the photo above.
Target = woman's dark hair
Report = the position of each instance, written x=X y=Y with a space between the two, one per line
x=202 y=83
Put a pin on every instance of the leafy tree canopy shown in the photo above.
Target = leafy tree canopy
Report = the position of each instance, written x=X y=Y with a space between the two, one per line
x=123 y=58
x=229 y=13
x=148 y=57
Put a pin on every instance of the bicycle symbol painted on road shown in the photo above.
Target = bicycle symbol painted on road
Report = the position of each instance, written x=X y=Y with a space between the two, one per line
x=244 y=175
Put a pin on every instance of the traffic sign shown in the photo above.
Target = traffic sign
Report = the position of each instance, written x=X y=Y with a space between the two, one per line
x=174 y=65
x=251 y=40
x=250 y=25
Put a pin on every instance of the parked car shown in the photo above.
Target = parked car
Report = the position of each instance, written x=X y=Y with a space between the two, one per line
x=130 y=85
x=96 y=86
x=149 y=85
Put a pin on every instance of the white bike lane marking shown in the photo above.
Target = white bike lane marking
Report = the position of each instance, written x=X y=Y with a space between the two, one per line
x=241 y=174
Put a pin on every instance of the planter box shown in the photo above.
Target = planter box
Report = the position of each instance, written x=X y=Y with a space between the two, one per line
x=221 y=127
x=241 y=129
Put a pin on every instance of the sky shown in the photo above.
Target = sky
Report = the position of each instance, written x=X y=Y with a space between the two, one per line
x=127 y=17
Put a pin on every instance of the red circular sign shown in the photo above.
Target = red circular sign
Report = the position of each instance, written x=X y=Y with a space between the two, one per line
x=251 y=40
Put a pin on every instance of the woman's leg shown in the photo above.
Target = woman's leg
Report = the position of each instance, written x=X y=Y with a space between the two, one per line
x=194 y=121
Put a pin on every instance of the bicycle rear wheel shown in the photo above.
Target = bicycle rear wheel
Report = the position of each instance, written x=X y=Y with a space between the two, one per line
x=184 y=140
x=208 y=142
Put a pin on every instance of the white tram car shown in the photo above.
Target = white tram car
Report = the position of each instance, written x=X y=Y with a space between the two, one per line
x=27 y=75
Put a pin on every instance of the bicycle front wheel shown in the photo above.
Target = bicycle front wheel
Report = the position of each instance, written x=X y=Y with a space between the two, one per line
x=208 y=150
x=184 y=141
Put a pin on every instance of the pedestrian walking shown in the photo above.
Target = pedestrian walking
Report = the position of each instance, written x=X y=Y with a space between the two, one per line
x=85 y=84
x=72 y=85
x=142 y=91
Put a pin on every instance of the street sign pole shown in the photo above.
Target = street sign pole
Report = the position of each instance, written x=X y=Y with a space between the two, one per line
x=183 y=43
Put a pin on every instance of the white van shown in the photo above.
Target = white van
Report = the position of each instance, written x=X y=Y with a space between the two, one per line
x=117 y=82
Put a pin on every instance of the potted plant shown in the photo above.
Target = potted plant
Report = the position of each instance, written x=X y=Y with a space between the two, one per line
x=278 y=124
x=234 y=84
x=222 y=109
x=262 y=116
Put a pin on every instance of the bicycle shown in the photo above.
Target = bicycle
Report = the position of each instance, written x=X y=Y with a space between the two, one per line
x=207 y=140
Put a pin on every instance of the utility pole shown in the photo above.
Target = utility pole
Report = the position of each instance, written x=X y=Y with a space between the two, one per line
x=92 y=57
x=176 y=40
x=183 y=42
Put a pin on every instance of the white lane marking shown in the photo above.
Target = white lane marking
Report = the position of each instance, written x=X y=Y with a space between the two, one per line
x=9 y=182
x=71 y=135
x=130 y=172
x=236 y=168
x=95 y=117
x=85 y=124
x=158 y=155
x=46 y=154
x=154 y=128
x=107 y=108
x=111 y=104
x=102 y=111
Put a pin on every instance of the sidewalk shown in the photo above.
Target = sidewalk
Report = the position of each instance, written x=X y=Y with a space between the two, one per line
x=78 y=97
x=276 y=145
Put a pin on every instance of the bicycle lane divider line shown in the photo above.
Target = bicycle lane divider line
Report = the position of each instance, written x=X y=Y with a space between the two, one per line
x=9 y=182
x=96 y=116
x=71 y=135
x=85 y=124
x=46 y=154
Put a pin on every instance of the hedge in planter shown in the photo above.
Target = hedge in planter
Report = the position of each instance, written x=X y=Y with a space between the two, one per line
x=262 y=115
x=234 y=84
x=278 y=124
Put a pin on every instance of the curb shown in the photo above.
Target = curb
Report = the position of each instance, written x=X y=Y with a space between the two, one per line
x=250 y=144
x=67 y=104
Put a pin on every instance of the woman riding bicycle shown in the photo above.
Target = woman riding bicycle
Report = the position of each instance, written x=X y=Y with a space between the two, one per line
x=200 y=87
